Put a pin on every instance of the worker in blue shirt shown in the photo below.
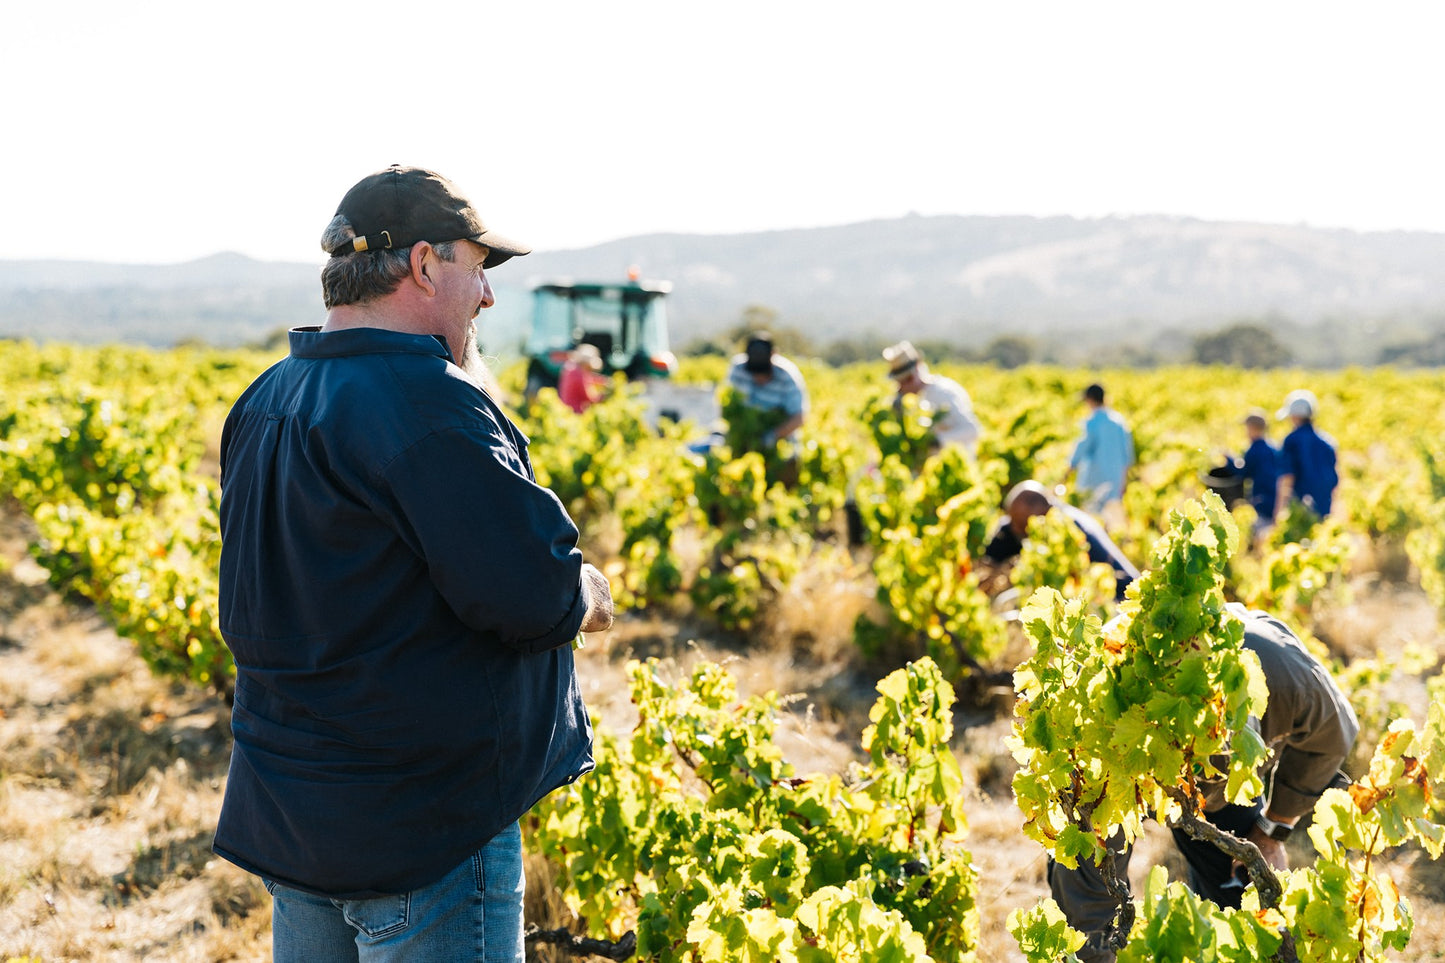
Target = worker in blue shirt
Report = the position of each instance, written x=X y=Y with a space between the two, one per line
x=768 y=381
x=1102 y=458
x=1260 y=469
x=1306 y=459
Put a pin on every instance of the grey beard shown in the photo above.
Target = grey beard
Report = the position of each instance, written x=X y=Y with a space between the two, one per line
x=475 y=365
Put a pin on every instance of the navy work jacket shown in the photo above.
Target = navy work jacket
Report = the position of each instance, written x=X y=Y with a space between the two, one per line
x=399 y=595
x=1309 y=455
x=1261 y=467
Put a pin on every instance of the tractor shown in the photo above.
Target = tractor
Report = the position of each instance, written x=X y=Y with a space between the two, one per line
x=626 y=322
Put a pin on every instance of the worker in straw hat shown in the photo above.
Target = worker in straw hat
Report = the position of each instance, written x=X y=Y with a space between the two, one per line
x=954 y=422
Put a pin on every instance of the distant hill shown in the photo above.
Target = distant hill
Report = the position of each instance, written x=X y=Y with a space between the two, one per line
x=971 y=278
x=225 y=300
x=949 y=278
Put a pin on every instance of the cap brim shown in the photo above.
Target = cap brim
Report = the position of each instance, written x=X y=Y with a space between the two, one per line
x=499 y=248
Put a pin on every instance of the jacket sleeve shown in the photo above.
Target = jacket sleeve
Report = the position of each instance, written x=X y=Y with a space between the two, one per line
x=1322 y=733
x=498 y=547
x=1308 y=722
x=1287 y=462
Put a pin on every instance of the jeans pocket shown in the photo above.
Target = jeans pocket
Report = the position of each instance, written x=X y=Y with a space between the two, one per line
x=270 y=885
x=378 y=917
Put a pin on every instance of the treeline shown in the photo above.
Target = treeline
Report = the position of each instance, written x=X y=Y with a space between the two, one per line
x=1254 y=343
x=259 y=318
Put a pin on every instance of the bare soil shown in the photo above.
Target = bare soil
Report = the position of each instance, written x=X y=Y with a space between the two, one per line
x=110 y=782
x=111 y=779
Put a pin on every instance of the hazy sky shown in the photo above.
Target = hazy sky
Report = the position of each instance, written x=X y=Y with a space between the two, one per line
x=159 y=131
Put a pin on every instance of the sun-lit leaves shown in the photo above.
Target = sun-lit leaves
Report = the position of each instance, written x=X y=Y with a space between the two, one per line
x=105 y=449
x=926 y=530
x=1175 y=926
x=1113 y=724
x=1116 y=723
x=1042 y=933
x=696 y=824
x=1055 y=555
x=754 y=862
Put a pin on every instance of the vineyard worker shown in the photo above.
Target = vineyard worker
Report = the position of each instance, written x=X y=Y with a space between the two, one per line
x=1260 y=469
x=1102 y=458
x=1306 y=459
x=954 y=422
x=768 y=381
x=1029 y=498
x=1310 y=728
x=400 y=597
x=580 y=383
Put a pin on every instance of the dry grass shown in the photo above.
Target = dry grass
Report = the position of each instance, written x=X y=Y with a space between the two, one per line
x=816 y=612
x=110 y=780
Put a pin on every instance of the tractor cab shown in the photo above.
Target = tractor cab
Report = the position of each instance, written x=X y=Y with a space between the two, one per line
x=626 y=322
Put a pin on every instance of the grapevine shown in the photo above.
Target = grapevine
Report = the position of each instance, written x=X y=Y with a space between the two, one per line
x=112 y=452
x=698 y=834
x=1116 y=725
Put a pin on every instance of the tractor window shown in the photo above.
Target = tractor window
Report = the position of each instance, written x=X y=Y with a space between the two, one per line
x=621 y=323
x=551 y=323
x=598 y=319
x=654 y=326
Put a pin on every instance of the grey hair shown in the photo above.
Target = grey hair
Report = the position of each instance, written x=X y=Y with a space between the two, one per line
x=359 y=277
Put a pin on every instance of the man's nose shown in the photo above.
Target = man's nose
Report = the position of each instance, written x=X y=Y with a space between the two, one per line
x=488 y=299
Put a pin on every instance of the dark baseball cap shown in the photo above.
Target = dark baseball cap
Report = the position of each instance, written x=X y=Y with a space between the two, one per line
x=399 y=206
x=759 y=352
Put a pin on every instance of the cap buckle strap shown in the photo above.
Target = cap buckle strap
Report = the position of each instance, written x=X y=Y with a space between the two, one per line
x=364 y=243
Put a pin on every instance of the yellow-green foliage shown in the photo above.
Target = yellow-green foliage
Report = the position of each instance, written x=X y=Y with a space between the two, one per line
x=120 y=442
x=698 y=833
x=1113 y=725
x=1426 y=543
x=1117 y=725
x=112 y=450
x=1056 y=555
x=106 y=448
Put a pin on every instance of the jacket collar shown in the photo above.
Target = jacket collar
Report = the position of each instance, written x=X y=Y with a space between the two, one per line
x=312 y=342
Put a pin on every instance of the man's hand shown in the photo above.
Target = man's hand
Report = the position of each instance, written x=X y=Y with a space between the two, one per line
x=1270 y=848
x=599 y=600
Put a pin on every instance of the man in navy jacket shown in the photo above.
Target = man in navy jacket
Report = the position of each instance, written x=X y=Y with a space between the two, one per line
x=400 y=597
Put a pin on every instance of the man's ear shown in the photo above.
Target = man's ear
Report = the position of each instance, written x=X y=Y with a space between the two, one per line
x=423 y=267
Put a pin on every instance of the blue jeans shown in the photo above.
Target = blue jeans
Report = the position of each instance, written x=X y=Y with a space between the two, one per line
x=472 y=913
